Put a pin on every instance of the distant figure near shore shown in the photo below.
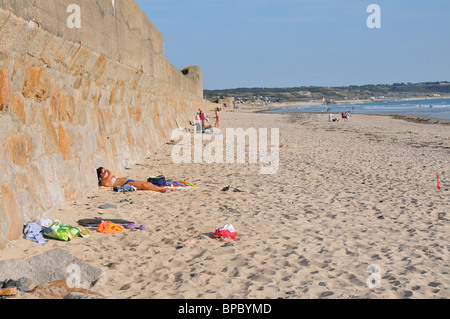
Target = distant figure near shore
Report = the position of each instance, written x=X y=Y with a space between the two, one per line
x=344 y=116
x=217 y=110
x=332 y=119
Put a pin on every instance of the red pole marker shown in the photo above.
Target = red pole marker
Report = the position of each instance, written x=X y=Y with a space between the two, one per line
x=437 y=176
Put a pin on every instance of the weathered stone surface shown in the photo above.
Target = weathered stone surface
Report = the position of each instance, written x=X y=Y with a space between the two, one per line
x=27 y=195
x=18 y=108
x=48 y=134
x=5 y=163
x=72 y=182
x=73 y=100
x=4 y=88
x=11 y=219
x=17 y=148
x=41 y=187
x=4 y=228
x=64 y=145
x=36 y=85
x=66 y=110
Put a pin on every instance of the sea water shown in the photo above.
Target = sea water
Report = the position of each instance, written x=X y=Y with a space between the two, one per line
x=435 y=108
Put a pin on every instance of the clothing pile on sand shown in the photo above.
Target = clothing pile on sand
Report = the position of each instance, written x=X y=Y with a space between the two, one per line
x=41 y=230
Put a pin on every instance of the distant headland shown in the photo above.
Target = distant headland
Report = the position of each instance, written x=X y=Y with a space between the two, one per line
x=332 y=95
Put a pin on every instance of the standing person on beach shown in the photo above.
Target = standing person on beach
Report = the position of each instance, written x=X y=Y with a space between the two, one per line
x=217 y=110
x=198 y=122
x=344 y=116
x=203 y=118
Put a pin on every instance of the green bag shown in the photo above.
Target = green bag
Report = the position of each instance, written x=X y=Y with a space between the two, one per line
x=61 y=231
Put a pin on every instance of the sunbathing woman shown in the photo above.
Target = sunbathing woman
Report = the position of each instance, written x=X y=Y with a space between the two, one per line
x=107 y=179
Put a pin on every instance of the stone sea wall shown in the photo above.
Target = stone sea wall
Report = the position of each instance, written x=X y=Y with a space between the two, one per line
x=74 y=99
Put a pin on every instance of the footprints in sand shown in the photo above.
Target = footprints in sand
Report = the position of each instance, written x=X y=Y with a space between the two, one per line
x=340 y=202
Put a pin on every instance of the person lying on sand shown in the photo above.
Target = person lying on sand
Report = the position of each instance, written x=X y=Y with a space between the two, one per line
x=107 y=179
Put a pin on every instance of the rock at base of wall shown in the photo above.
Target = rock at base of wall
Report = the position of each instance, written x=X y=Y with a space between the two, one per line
x=54 y=266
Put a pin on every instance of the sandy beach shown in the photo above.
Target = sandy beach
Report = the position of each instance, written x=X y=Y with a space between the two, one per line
x=347 y=197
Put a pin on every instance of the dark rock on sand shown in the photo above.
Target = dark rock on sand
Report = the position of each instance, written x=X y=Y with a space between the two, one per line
x=326 y=294
x=47 y=267
x=107 y=205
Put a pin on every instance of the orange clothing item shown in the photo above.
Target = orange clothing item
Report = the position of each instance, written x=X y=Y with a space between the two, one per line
x=109 y=227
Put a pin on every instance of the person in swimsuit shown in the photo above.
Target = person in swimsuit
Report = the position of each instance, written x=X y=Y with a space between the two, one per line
x=107 y=179
x=203 y=118
x=217 y=110
x=198 y=122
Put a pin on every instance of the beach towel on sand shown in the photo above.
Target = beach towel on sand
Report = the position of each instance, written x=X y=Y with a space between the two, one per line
x=161 y=181
x=109 y=227
x=94 y=222
x=180 y=185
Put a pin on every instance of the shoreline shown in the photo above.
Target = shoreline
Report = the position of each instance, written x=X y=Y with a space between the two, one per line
x=423 y=119
x=302 y=103
x=419 y=118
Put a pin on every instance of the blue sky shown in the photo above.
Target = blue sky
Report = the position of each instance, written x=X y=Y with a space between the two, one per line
x=289 y=43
